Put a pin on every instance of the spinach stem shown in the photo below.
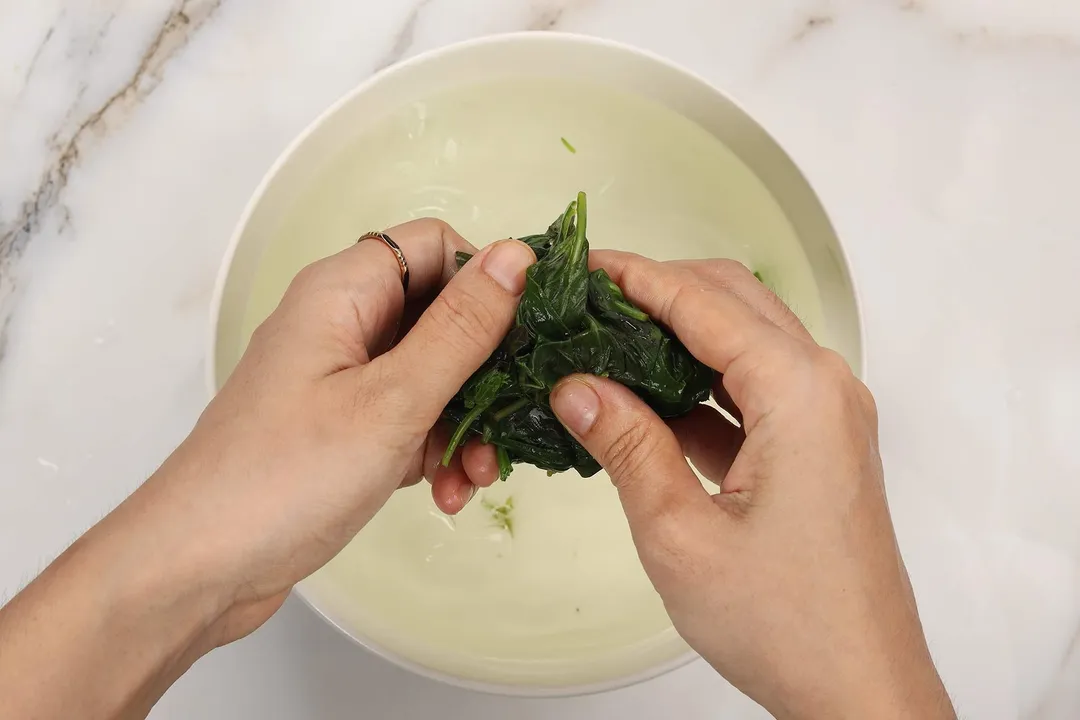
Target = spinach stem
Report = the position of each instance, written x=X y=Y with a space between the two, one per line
x=567 y=218
x=506 y=466
x=579 y=237
x=459 y=433
x=630 y=311
x=510 y=409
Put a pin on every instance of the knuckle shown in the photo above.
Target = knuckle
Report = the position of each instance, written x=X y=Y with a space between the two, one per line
x=682 y=304
x=832 y=367
x=263 y=333
x=840 y=386
x=629 y=451
x=734 y=277
x=783 y=316
x=727 y=271
x=724 y=273
x=308 y=278
x=464 y=319
x=441 y=228
x=866 y=400
x=433 y=225
x=429 y=227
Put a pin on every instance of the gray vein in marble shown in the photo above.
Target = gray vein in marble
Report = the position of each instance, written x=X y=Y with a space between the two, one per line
x=1001 y=39
x=812 y=24
x=173 y=34
x=1067 y=663
x=3 y=336
x=992 y=40
x=403 y=40
x=40 y=49
x=548 y=18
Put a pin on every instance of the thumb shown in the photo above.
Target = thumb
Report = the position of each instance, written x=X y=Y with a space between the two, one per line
x=658 y=490
x=459 y=330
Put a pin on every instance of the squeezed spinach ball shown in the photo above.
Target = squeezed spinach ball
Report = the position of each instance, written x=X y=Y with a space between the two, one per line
x=569 y=321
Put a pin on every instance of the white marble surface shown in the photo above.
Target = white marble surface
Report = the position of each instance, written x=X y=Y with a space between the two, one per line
x=943 y=135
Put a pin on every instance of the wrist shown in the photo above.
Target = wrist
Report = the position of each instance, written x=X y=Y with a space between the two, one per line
x=106 y=602
x=899 y=694
x=150 y=583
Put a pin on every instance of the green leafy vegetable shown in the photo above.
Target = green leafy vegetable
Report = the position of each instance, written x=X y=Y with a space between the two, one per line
x=569 y=321
x=568 y=146
x=502 y=514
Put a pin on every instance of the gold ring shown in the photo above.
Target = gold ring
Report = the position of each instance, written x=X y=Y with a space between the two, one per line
x=394 y=248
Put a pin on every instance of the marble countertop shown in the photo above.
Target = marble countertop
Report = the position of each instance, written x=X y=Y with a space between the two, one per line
x=941 y=134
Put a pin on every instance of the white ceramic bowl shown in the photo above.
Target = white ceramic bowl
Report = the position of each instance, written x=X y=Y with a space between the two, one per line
x=522 y=59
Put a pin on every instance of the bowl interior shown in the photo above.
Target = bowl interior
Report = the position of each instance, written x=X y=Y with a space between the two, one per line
x=496 y=136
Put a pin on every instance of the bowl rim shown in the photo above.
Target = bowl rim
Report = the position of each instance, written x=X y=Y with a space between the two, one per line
x=492 y=688
x=554 y=38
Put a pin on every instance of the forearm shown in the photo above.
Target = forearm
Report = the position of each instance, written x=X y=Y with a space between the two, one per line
x=106 y=628
x=896 y=683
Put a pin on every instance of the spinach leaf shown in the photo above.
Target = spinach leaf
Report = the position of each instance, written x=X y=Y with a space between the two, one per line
x=569 y=321
x=557 y=287
x=540 y=244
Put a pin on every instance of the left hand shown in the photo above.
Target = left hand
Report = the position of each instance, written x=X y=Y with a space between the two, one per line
x=321 y=420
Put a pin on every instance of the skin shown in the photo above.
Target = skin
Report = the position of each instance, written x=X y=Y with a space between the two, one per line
x=788 y=581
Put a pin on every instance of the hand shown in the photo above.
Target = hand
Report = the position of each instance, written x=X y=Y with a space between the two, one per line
x=330 y=410
x=789 y=581
x=349 y=421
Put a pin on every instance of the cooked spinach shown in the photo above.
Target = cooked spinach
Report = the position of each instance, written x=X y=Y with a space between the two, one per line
x=502 y=514
x=569 y=321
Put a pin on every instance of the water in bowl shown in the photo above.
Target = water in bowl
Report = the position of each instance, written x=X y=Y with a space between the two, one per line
x=556 y=595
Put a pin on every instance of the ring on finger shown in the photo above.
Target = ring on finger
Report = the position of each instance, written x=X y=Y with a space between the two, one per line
x=394 y=248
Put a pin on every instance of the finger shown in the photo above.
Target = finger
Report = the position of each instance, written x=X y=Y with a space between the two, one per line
x=723 y=399
x=725 y=274
x=432 y=453
x=459 y=331
x=429 y=246
x=481 y=463
x=415 y=307
x=640 y=453
x=368 y=276
x=758 y=360
x=709 y=441
x=737 y=279
x=448 y=484
x=450 y=487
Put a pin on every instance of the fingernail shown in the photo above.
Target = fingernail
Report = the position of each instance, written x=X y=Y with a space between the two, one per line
x=465 y=494
x=576 y=404
x=506 y=264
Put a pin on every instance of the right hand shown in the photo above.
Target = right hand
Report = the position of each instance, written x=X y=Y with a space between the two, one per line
x=789 y=581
